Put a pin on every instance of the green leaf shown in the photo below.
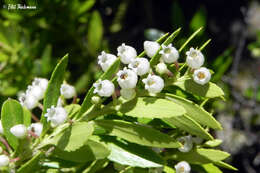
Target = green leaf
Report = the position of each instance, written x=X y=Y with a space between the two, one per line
x=71 y=137
x=85 y=6
x=195 y=112
x=26 y=117
x=12 y=114
x=46 y=60
x=96 y=166
x=209 y=90
x=201 y=156
x=190 y=38
x=139 y=134
x=95 y=33
x=213 y=143
x=155 y=59
x=32 y=165
x=151 y=107
x=210 y=168
x=134 y=155
x=72 y=109
x=107 y=75
x=92 y=150
x=168 y=169
x=53 y=90
x=225 y=165
x=189 y=125
x=199 y=19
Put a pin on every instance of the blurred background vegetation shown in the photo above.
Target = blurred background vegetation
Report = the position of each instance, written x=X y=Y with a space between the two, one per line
x=32 y=41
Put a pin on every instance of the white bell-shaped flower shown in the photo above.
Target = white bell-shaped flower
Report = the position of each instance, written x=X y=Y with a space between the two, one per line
x=126 y=53
x=104 y=88
x=182 y=167
x=195 y=58
x=105 y=60
x=128 y=94
x=151 y=47
x=36 y=128
x=140 y=65
x=28 y=101
x=186 y=142
x=153 y=83
x=127 y=78
x=1 y=128
x=41 y=82
x=202 y=76
x=35 y=91
x=19 y=131
x=56 y=115
x=161 y=68
x=4 y=160
x=169 y=54
x=68 y=91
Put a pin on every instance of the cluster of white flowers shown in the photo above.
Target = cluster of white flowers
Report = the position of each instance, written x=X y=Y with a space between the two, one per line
x=195 y=60
x=56 y=115
x=34 y=93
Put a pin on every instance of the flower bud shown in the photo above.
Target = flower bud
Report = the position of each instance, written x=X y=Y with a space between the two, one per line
x=95 y=100
x=41 y=82
x=161 y=68
x=201 y=76
x=127 y=78
x=153 y=83
x=128 y=94
x=1 y=128
x=4 y=160
x=28 y=101
x=182 y=167
x=187 y=143
x=104 y=88
x=105 y=60
x=169 y=54
x=56 y=115
x=195 y=58
x=19 y=131
x=36 y=128
x=35 y=91
x=126 y=53
x=140 y=66
x=151 y=47
x=67 y=91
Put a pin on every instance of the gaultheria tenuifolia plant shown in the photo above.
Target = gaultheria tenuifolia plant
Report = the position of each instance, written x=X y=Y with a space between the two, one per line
x=145 y=113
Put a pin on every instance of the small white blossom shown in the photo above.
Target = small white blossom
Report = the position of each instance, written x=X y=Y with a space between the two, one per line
x=36 y=128
x=195 y=58
x=127 y=78
x=4 y=160
x=169 y=54
x=104 y=88
x=201 y=76
x=161 y=68
x=151 y=47
x=41 y=82
x=182 y=167
x=186 y=142
x=19 y=131
x=35 y=91
x=1 y=128
x=67 y=91
x=105 y=60
x=128 y=94
x=126 y=53
x=140 y=65
x=56 y=115
x=153 y=83
x=28 y=101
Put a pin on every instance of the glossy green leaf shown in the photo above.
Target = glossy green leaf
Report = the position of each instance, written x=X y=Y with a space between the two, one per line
x=213 y=143
x=209 y=90
x=92 y=150
x=225 y=165
x=11 y=114
x=139 y=134
x=85 y=6
x=195 y=112
x=72 y=109
x=32 y=165
x=151 y=107
x=201 y=156
x=134 y=155
x=53 y=90
x=107 y=75
x=95 y=33
x=210 y=168
x=168 y=169
x=27 y=115
x=187 y=124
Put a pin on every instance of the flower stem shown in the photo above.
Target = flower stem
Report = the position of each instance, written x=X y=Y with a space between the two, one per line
x=35 y=118
x=6 y=144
